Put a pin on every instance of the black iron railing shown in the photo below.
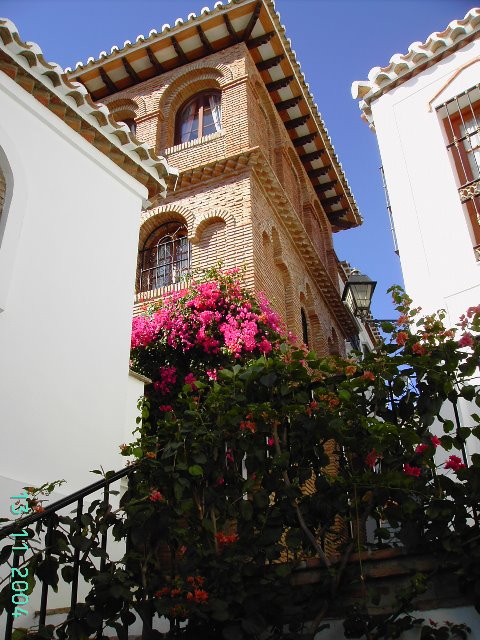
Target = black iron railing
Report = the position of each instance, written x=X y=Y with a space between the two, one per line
x=46 y=518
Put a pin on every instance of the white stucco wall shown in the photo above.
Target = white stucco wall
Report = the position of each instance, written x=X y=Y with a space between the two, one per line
x=439 y=267
x=67 y=271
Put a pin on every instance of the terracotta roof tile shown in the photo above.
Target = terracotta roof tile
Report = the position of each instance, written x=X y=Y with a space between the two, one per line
x=420 y=56
x=28 y=57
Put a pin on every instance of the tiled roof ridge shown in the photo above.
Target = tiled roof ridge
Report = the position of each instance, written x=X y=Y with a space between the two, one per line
x=218 y=7
x=192 y=17
x=401 y=67
x=29 y=56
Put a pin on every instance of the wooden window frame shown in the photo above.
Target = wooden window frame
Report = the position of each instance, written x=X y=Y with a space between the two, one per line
x=198 y=97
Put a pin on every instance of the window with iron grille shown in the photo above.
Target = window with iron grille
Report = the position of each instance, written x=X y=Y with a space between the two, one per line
x=461 y=119
x=199 y=117
x=165 y=257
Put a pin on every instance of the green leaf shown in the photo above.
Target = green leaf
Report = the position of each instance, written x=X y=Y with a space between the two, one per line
x=448 y=426
x=5 y=553
x=233 y=633
x=344 y=394
x=268 y=380
x=254 y=624
x=195 y=470
x=246 y=510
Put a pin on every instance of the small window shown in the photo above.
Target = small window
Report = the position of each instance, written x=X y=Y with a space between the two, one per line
x=304 y=327
x=165 y=257
x=131 y=124
x=199 y=117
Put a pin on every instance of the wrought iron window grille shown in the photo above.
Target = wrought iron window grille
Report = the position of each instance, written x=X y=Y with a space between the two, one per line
x=165 y=258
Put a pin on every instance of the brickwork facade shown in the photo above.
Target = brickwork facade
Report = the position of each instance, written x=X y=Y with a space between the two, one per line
x=243 y=193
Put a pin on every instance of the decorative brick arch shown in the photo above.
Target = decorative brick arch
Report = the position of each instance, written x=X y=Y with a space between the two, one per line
x=265 y=103
x=123 y=105
x=155 y=217
x=202 y=222
x=194 y=78
x=317 y=331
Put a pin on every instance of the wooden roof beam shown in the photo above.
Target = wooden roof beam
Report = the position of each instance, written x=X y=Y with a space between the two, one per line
x=271 y=62
x=279 y=84
x=204 y=40
x=325 y=186
x=254 y=43
x=321 y=171
x=296 y=122
x=299 y=142
x=337 y=219
x=252 y=22
x=230 y=28
x=155 y=63
x=327 y=202
x=179 y=51
x=287 y=104
x=131 y=71
x=314 y=155
x=106 y=79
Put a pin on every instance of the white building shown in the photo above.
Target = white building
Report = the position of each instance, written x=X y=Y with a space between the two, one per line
x=73 y=184
x=424 y=107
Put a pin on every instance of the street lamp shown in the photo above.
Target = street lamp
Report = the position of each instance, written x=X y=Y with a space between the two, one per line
x=358 y=294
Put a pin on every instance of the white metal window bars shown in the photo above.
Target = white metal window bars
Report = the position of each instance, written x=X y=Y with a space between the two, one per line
x=165 y=258
x=461 y=118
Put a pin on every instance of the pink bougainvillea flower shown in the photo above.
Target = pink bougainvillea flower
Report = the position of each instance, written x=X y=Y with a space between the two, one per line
x=471 y=311
x=454 y=463
x=156 y=496
x=190 y=379
x=143 y=331
x=247 y=425
x=368 y=375
x=212 y=374
x=435 y=440
x=419 y=349
x=229 y=456
x=371 y=458
x=420 y=448
x=270 y=441
x=165 y=408
x=402 y=337
x=409 y=470
x=466 y=340
x=223 y=539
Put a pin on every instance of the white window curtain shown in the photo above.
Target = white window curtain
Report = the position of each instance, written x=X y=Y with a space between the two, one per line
x=214 y=104
x=189 y=117
x=471 y=145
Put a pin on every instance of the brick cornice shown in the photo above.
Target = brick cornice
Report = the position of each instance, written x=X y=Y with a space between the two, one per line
x=275 y=193
x=254 y=159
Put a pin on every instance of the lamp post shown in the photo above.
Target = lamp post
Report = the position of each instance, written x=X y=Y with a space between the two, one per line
x=358 y=294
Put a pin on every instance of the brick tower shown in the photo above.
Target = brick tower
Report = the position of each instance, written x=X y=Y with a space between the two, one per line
x=222 y=97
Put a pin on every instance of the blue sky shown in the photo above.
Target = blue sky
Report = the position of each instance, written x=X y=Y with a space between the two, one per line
x=336 y=41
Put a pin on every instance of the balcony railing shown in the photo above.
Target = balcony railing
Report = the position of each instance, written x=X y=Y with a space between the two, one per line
x=53 y=522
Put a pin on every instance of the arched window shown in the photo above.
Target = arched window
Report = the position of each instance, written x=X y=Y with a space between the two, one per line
x=304 y=327
x=199 y=117
x=165 y=256
x=131 y=124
